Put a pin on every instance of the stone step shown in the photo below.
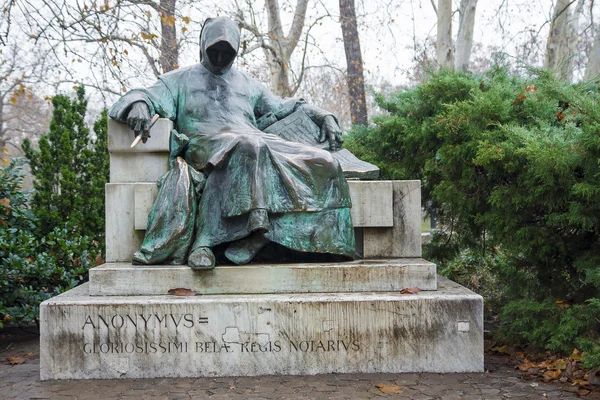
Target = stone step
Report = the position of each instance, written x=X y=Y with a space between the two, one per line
x=392 y=275
x=86 y=337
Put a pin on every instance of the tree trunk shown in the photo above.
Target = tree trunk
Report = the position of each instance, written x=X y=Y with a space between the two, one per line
x=557 y=50
x=464 y=40
x=445 y=53
x=169 y=48
x=572 y=41
x=280 y=74
x=281 y=47
x=592 y=69
x=355 y=78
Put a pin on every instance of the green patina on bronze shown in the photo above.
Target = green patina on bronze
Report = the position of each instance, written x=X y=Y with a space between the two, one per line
x=230 y=182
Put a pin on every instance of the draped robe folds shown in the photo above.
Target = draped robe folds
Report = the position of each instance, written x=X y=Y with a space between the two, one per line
x=251 y=180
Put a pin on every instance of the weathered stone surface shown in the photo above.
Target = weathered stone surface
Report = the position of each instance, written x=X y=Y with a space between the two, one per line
x=86 y=337
x=357 y=276
x=377 y=212
x=120 y=137
x=122 y=240
x=145 y=195
x=404 y=239
x=371 y=203
x=138 y=167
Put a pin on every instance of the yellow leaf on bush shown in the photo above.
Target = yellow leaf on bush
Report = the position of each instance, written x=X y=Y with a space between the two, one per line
x=6 y=204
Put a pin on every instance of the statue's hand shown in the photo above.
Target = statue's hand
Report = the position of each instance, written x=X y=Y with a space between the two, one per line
x=138 y=120
x=331 y=131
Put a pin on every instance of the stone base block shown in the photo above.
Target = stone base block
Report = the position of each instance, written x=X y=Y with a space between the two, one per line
x=84 y=337
x=386 y=214
x=114 y=279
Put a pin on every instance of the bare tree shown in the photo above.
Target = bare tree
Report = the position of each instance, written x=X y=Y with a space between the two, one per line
x=354 y=75
x=444 y=49
x=327 y=88
x=464 y=40
x=275 y=43
x=22 y=112
x=111 y=36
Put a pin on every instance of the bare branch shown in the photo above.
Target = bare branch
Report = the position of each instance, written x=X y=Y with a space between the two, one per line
x=434 y=7
x=297 y=25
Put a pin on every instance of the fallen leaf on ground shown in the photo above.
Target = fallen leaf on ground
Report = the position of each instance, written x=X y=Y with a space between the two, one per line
x=526 y=366
x=412 y=290
x=99 y=260
x=583 y=392
x=15 y=360
x=561 y=364
x=550 y=375
x=182 y=292
x=570 y=368
x=579 y=382
x=501 y=349
x=389 y=389
x=594 y=378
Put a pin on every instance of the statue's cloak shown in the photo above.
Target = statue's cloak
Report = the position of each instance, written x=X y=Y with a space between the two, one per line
x=295 y=193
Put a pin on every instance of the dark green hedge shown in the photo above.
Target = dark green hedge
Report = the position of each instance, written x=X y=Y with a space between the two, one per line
x=511 y=165
x=51 y=237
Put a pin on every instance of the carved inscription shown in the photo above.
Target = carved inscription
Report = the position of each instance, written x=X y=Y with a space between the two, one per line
x=142 y=321
x=146 y=326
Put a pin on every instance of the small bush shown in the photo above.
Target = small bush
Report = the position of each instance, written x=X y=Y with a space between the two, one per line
x=51 y=237
x=34 y=269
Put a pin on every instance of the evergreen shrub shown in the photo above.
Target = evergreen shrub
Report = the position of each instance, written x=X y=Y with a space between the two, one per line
x=50 y=238
x=510 y=164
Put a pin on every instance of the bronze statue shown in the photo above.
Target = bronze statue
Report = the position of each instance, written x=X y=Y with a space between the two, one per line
x=230 y=182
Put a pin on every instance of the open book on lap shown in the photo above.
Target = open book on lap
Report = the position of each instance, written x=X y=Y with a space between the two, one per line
x=298 y=127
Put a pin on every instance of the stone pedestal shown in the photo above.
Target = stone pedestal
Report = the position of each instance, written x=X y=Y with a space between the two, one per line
x=90 y=337
x=259 y=319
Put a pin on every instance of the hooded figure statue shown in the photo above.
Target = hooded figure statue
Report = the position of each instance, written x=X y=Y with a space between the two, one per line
x=230 y=183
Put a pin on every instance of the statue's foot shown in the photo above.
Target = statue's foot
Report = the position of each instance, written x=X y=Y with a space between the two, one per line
x=201 y=258
x=139 y=258
x=243 y=251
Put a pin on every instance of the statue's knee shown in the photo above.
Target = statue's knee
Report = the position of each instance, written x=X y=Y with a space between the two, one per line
x=251 y=144
x=326 y=159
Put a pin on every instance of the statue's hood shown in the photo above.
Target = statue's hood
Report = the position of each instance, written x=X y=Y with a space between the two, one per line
x=218 y=32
